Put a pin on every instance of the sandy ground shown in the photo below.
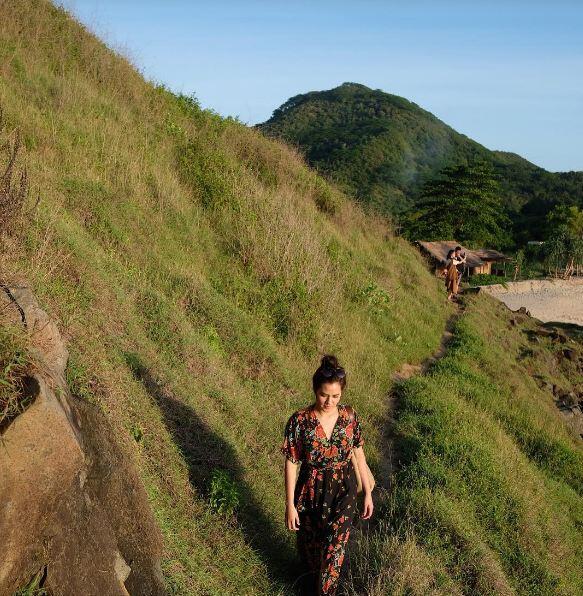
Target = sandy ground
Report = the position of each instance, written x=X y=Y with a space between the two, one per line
x=547 y=300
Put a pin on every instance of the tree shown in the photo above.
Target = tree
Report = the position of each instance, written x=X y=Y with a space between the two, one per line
x=463 y=203
x=568 y=219
x=564 y=246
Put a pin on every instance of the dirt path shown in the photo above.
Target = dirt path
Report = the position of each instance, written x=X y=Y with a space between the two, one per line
x=390 y=458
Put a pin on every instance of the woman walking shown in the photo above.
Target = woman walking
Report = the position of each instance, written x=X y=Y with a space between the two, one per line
x=452 y=273
x=320 y=505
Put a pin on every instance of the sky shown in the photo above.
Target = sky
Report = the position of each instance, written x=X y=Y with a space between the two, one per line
x=508 y=74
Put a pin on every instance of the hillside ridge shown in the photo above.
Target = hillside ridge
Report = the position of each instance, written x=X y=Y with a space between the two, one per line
x=198 y=272
x=381 y=148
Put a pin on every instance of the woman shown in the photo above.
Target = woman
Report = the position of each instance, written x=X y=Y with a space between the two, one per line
x=452 y=274
x=320 y=505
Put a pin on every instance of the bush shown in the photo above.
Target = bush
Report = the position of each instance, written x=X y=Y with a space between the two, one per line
x=224 y=495
x=485 y=279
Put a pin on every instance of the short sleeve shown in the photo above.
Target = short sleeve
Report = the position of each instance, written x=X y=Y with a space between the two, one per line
x=357 y=438
x=292 y=446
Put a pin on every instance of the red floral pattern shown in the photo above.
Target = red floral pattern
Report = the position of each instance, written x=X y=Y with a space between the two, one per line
x=325 y=492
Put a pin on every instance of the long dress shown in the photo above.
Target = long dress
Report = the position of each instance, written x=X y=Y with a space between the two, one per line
x=451 y=276
x=325 y=492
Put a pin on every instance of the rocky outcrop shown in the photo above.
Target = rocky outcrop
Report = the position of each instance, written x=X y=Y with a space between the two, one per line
x=71 y=503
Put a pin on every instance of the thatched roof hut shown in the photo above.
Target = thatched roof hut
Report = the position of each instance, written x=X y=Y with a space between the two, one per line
x=477 y=261
x=489 y=254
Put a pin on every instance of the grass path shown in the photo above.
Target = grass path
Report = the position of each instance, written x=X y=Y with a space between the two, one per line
x=389 y=459
x=479 y=484
x=388 y=462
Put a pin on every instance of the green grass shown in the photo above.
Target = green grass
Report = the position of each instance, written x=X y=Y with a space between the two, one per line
x=490 y=485
x=15 y=363
x=198 y=271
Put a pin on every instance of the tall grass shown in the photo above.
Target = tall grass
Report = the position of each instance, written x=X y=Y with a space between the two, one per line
x=15 y=366
x=488 y=498
x=199 y=270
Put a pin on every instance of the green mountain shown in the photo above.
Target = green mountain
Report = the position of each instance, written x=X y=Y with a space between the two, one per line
x=381 y=148
x=197 y=271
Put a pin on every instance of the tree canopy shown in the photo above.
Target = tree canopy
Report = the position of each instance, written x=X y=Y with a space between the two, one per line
x=463 y=202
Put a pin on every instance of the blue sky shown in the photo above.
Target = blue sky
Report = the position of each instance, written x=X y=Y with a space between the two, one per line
x=508 y=74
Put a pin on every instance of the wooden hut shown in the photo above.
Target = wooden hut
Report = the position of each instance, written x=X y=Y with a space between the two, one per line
x=477 y=261
x=494 y=261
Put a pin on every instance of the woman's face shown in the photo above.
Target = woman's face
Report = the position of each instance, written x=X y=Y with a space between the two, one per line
x=328 y=396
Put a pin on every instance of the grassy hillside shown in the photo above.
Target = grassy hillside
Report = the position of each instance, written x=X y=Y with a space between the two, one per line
x=199 y=270
x=381 y=148
x=488 y=498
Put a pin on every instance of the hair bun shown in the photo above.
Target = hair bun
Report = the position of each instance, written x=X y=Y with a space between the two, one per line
x=329 y=361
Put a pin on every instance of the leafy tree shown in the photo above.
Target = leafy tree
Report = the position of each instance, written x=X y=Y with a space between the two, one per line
x=463 y=203
x=563 y=250
x=568 y=219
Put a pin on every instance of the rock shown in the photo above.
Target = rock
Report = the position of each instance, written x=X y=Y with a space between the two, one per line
x=68 y=493
x=570 y=354
x=543 y=332
x=122 y=569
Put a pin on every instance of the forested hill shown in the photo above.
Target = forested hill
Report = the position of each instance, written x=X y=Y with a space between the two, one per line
x=381 y=148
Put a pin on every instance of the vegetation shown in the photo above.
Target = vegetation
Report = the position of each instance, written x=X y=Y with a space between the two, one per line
x=489 y=495
x=485 y=279
x=200 y=269
x=462 y=203
x=563 y=250
x=15 y=364
x=382 y=149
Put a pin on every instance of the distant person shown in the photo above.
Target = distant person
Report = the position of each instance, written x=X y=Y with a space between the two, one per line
x=460 y=256
x=321 y=503
x=452 y=273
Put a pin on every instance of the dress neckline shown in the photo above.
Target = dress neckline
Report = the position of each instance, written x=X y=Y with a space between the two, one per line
x=339 y=408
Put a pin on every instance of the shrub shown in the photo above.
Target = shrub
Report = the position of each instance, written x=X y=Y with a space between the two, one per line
x=485 y=279
x=224 y=495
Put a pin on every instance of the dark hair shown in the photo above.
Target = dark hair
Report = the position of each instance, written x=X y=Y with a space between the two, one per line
x=329 y=371
x=458 y=248
x=450 y=253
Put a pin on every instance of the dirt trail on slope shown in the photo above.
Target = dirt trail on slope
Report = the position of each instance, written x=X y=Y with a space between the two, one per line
x=388 y=463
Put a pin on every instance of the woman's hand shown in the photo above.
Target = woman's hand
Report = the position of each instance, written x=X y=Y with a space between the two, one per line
x=292 y=519
x=368 y=507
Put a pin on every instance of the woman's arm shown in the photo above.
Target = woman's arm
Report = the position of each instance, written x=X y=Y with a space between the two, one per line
x=362 y=466
x=292 y=519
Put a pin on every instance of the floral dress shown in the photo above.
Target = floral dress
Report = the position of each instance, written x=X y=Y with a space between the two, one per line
x=325 y=492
